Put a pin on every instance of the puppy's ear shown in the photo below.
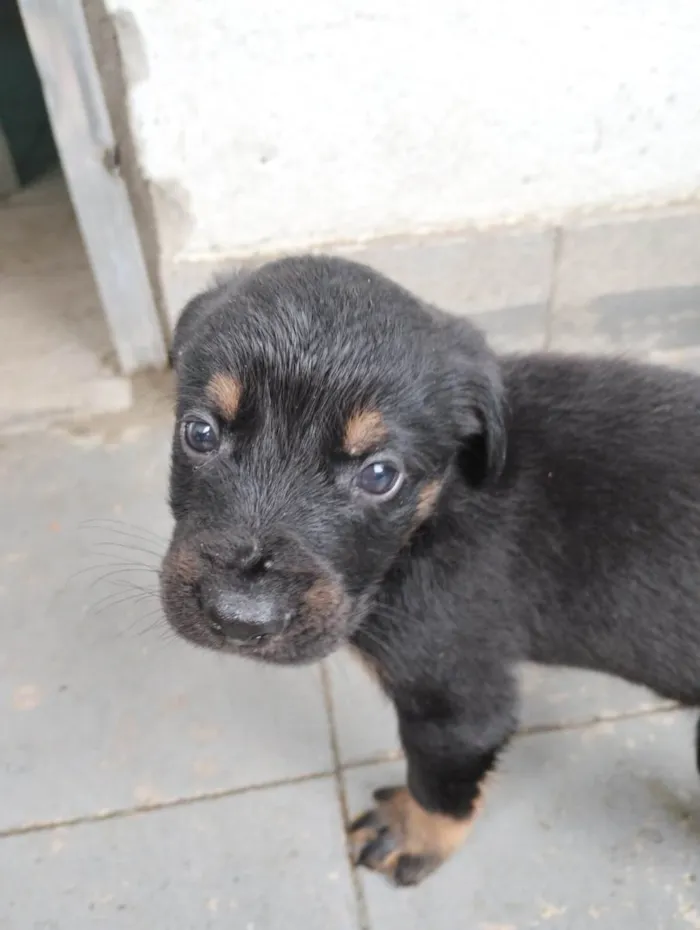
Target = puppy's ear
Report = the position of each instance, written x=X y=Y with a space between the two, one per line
x=478 y=405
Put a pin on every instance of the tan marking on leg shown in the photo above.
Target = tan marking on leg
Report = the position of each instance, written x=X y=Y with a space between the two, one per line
x=425 y=832
x=363 y=431
x=415 y=832
x=225 y=392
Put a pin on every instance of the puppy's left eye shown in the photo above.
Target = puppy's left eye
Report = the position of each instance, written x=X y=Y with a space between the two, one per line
x=380 y=479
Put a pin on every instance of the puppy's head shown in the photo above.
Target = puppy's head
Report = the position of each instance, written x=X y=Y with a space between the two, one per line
x=321 y=412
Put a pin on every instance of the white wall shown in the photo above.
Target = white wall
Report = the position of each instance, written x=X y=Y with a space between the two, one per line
x=290 y=122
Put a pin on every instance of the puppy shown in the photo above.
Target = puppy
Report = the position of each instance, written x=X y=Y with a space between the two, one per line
x=352 y=466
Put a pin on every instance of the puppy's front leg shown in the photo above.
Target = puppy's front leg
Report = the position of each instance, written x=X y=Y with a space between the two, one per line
x=412 y=830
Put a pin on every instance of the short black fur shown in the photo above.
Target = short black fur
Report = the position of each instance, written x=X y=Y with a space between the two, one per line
x=566 y=529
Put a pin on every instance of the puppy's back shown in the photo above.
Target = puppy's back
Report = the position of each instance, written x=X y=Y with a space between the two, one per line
x=605 y=470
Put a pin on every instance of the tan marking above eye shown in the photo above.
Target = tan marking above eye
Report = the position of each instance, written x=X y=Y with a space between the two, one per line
x=364 y=431
x=224 y=391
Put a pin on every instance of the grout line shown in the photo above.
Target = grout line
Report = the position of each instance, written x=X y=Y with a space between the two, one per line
x=336 y=772
x=557 y=246
x=544 y=728
x=361 y=903
x=121 y=813
x=537 y=730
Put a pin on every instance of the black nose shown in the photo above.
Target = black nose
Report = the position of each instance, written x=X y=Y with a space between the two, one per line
x=242 y=617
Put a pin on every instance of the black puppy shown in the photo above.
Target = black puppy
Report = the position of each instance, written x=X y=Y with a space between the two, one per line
x=353 y=466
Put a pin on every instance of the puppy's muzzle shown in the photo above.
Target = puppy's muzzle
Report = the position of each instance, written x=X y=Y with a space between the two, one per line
x=235 y=594
x=267 y=597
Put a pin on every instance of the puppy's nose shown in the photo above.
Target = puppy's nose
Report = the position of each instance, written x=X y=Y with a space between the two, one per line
x=242 y=617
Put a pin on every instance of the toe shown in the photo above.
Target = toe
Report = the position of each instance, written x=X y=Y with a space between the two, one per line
x=411 y=870
x=377 y=852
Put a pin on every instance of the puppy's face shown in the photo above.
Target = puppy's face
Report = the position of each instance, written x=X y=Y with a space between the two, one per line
x=321 y=413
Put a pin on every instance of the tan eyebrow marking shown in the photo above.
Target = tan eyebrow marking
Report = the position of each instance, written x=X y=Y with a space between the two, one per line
x=363 y=431
x=225 y=392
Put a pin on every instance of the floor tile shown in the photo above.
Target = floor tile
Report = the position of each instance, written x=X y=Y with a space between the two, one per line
x=563 y=697
x=647 y=324
x=264 y=860
x=585 y=828
x=40 y=238
x=364 y=717
x=366 y=723
x=99 y=707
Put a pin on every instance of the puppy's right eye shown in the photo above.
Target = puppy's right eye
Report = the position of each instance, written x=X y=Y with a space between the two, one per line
x=199 y=436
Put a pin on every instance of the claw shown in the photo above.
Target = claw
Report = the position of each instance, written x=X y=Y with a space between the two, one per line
x=403 y=840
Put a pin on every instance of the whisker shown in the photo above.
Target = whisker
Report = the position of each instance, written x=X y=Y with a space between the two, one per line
x=124 y=529
x=118 y=572
x=128 y=547
x=111 y=603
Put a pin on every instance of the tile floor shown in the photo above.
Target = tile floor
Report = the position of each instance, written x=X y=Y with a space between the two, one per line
x=146 y=785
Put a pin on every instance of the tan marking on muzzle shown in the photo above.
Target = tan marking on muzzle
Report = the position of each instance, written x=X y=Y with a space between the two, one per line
x=224 y=391
x=427 y=499
x=323 y=597
x=182 y=564
x=363 y=432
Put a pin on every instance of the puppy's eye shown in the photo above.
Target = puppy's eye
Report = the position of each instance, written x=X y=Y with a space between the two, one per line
x=200 y=436
x=380 y=479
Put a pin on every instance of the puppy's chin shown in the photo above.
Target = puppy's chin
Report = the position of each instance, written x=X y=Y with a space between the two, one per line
x=290 y=649
x=301 y=644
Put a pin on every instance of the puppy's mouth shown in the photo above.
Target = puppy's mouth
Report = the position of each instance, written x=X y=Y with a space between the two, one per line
x=282 y=623
x=299 y=643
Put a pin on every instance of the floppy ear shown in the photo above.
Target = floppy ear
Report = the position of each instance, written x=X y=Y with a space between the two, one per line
x=478 y=405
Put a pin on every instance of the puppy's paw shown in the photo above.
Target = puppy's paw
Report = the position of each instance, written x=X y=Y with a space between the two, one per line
x=401 y=839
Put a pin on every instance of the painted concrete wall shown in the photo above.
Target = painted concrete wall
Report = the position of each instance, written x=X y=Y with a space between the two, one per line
x=274 y=124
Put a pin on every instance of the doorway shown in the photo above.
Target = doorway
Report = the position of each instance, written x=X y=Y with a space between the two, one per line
x=76 y=312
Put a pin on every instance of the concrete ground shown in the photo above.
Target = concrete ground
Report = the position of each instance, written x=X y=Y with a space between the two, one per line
x=56 y=357
x=144 y=784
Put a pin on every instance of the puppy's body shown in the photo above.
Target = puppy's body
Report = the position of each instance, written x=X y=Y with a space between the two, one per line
x=586 y=552
x=373 y=475
x=606 y=463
